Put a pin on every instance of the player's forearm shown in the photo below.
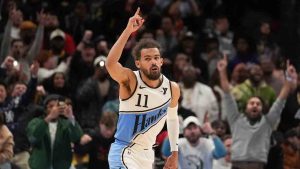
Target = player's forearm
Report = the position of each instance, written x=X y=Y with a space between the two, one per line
x=116 y=51
x=173 y=128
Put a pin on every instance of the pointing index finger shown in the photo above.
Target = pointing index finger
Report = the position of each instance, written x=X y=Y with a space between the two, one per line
x=137 y=11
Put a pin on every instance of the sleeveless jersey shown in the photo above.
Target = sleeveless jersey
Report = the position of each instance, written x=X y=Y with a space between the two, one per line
x=143 y=115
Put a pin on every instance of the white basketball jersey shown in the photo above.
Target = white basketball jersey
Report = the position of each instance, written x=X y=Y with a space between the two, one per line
x=143 y=115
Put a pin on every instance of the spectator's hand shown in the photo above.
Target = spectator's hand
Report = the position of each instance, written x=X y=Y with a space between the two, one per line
x=172 y=161
x=88 y=34
x=68 y=111
x=222 y=64
x=291 y=75
x=8 y=63
x=135 y=22
x=42 y=18
x=208 y=129
x=85 y=139
x=34 y=68
x=41 y=89
x=54 y=113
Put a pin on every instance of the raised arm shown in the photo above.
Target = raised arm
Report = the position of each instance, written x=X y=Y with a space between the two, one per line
x=5 y=45
x=228 y=103
x=114 y=68
x=222 y=68
x=290 y=84
x=38 y=40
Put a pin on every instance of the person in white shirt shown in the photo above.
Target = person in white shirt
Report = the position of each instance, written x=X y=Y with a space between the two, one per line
x=196 y=152
x=197 y=96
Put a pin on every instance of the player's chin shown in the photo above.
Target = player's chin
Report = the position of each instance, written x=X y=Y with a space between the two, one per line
x=154 y=75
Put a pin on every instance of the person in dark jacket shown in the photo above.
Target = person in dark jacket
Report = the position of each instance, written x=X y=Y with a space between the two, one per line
x=51 y=135
x=93 y=93
x=14 y=108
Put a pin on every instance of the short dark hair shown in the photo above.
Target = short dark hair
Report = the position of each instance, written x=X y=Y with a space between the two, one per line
x=144 y=44
x=19 y=82
x=3 y=84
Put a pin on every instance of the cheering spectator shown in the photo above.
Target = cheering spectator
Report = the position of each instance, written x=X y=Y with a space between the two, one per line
x=252 y=131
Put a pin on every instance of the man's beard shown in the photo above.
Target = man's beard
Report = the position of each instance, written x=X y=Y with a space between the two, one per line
x=193 y=139
x=188 y=82
x=253 y=120
x=151 y=75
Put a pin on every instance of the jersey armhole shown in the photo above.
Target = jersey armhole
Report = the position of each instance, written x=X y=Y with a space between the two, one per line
x=171 y=88
x=136 y=84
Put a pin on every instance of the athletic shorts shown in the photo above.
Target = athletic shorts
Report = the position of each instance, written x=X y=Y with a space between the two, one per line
x=130 y=157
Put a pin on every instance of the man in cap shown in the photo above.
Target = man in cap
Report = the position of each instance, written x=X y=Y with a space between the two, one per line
x=51 y=135
x=196 y=151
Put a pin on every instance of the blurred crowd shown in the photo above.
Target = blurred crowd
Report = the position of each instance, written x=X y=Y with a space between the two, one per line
x=59 y=106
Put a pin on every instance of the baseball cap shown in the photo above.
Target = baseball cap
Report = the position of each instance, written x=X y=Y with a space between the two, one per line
x=100 y=61
x=191 y=119
x=51 y=97
x=57 y=33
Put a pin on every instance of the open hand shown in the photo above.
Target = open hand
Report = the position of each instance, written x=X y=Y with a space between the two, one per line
x=172 y=161
x=85 y=139
x=68 y=111
x=34 y=68
x=42 y=17
x=291 y=74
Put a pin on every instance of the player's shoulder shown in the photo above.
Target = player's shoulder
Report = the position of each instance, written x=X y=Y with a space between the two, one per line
x=130 y=77
x=175 y=88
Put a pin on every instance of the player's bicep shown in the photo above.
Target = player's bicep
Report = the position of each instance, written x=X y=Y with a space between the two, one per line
x=118 y=72
x=175 y=94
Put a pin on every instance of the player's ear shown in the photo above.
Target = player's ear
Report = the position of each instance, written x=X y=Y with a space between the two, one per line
x=137 y=63
x=161 y=61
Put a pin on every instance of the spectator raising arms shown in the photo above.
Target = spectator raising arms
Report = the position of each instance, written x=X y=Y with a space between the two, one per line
x=252 y=131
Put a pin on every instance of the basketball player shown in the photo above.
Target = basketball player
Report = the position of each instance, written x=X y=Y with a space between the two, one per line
x=147 y=100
